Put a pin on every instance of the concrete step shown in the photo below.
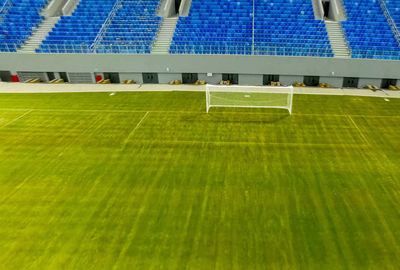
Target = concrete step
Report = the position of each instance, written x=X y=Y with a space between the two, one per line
x=38 y=35
x=164 y=36
x=337 y=39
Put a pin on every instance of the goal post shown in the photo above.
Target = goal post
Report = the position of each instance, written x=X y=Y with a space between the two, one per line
x=280 y=97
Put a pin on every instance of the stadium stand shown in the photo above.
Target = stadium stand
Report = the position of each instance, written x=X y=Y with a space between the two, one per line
x=106 y=26
x=18 y=19
x=282 y=27
x=133 y=29
x=368 y=32
x=76 y=33
x=287 y=27
x=393 y=7
x=214 y=27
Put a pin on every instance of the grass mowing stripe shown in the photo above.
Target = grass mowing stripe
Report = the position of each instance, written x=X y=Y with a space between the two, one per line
x=233 y=143
x=201 y=112
x=232 y=190
x=134 y=227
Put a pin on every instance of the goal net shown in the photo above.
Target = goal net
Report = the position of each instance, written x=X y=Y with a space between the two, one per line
x=249 y=96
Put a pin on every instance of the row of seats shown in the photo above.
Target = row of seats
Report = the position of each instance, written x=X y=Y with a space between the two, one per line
x=106 y=26
x=212 y=25
x=198 y=33
x=393 y=7
x=367 y=31
x=248 y=50
x=84 y=48
x=17 y=22
x=88 y=18
x=280 y=27
x=135 y=25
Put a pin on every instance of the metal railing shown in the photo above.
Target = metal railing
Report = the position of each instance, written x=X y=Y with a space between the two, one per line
x=375 y=54
x=187 y=49
x=4 y=9
x=100 y=49
x=390 y=20
x=106 y=24
x=205 y=50
x=6 y=47
x=250 y=50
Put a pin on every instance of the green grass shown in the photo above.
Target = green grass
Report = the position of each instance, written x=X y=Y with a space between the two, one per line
x=149 y=181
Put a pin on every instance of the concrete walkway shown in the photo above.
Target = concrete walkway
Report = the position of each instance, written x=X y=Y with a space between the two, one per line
x=67 y=88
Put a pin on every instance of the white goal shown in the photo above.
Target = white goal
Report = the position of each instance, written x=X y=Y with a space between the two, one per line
x=249 y=96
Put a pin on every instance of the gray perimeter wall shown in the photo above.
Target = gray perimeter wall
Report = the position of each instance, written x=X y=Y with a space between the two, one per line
x=208 y=67
x=137 y=77
x=333 y=81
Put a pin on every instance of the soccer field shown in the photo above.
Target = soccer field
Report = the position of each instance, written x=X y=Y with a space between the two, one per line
x=149 y=180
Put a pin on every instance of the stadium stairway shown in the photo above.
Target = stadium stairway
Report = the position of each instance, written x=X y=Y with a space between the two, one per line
x=338 y=41
x=39 y=35
x=164 y=36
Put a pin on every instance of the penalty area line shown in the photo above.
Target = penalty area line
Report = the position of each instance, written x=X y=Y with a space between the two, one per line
x=359 y=130
x=134 y=129
x=244 y=143
x=16 y=119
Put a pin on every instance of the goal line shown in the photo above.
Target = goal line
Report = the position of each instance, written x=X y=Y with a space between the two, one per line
x=242 y=96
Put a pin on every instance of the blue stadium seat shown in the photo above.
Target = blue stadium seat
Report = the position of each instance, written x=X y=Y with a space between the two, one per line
x=132 y=29
x=281 y=27
x=18 y=21
x=368 y=32
x=76 y=33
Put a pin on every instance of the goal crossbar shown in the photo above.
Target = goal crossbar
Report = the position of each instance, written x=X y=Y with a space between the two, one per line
x=279 y=97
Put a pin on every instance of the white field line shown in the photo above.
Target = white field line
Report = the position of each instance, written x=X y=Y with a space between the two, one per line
x=16 y=119
x=197 y=112
x=133 y=130
x=359 y=130
x=233 y=143
x=209 y=142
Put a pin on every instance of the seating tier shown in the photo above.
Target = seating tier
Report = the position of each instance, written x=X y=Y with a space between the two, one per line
x=133 y=28
x=281 y=27
x=368 y=32
x=18 y=21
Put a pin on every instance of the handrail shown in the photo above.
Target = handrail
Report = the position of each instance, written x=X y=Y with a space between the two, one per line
x=390 y=20
x=105 y=25
x=190 y=50
x=4 y=5
x=4 y=9
x=249 y=50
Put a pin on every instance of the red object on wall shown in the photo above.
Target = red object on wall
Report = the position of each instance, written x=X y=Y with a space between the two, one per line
x=98 y=78
x=14 y=78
